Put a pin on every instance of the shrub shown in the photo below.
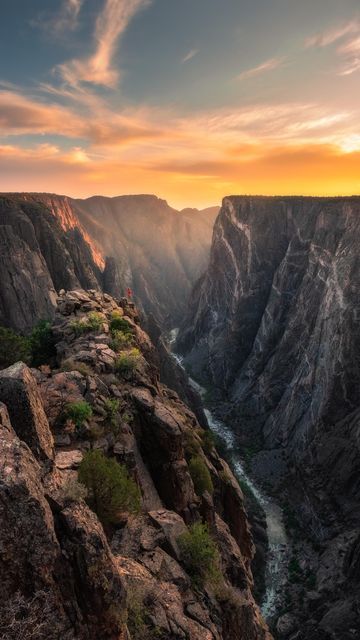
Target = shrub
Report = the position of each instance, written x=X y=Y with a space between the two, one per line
x=191 y=444
x=120 y=340
x=73 y=365
x=78 y=412
x=208 y=441
x=200 y=476
x=13 y=348
x=112 y=406
x=42 y=344
x=73 y=490
x=118 y=323
x=92 y=322
x=127 y=362
x=200 y=554
x=111 y=490
x=139 y=600
x=95 y=321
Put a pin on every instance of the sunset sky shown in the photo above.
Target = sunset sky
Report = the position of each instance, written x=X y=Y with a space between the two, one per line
x=189 y=99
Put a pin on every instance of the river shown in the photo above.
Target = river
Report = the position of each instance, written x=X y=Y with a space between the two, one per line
x=276 y=574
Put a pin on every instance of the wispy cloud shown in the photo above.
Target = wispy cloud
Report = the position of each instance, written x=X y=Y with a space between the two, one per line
x=351 y=52
x=66 y=19
x=191 y=54
x=348 y=48
x=332 y=35
x=268 y=65
x=111 y=24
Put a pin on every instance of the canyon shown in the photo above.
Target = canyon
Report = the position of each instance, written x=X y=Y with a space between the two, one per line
x=269 y=346
x=49 y=242
x=273 y=333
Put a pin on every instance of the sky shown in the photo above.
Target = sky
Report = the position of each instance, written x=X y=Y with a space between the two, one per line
x=191 y=100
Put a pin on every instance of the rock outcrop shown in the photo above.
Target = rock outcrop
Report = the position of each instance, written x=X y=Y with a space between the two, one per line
x=274 y=330
x=55 y=558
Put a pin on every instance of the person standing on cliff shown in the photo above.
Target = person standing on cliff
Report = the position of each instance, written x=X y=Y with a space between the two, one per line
x=129 y=294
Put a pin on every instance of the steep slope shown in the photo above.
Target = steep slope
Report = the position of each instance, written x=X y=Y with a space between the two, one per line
x=63 y=573
x=135 y=241
x=274 y=326
x=39 y=253
x=159 y=252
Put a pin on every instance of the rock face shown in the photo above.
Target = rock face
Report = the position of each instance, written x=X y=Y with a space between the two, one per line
x=39 y=253
x=19 y=391
x=58 y=567
x=49 y=589
x=274 y=326
x=50 y=242
x=159 y=252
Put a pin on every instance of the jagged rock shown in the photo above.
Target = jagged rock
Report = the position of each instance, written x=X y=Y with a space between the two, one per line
x=69 y=562
x=172 y=526
x=18 y=390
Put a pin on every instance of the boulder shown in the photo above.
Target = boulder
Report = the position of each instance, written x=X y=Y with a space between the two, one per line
x=19 y=391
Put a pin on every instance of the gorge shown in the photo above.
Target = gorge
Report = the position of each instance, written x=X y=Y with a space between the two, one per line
x=270 y=341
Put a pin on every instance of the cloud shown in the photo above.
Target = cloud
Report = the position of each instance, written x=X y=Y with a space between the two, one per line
x=330 y=36
x=268 y=65
x=351 y=51
x=66 y=19
x=191 y=54
x=111 y=24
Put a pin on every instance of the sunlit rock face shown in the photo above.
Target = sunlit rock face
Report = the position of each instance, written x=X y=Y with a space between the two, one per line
x=38 y=256
x=112 y=244
x=159 y=252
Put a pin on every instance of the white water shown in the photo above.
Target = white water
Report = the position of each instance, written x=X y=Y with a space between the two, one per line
x=278 y=554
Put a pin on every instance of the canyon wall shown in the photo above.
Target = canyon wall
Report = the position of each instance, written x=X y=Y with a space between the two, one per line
x=103 y=243
x=273 y=331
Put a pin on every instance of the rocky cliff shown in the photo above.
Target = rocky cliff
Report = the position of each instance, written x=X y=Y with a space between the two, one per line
x=62 y=575
x=109 y=243
x=274 y=328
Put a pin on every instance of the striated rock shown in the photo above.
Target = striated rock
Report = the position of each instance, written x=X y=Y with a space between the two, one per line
x=273 y=325
x=18 y=390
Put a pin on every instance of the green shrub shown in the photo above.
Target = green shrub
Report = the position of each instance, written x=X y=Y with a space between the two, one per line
x=208 y=441
x=118 y=323
x=92 y=322
x=200 y=554
x=13 y=348
x=127 y=362
x=112 y=406
x=191 y=444
x=95 y=321
x=78 y=412
x=111 y=490
x=120 y=340
x=139 y=600
x=42 y=344
x=200 y=476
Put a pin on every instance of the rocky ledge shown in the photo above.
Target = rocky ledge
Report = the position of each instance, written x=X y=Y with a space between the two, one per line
x=65 y=575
